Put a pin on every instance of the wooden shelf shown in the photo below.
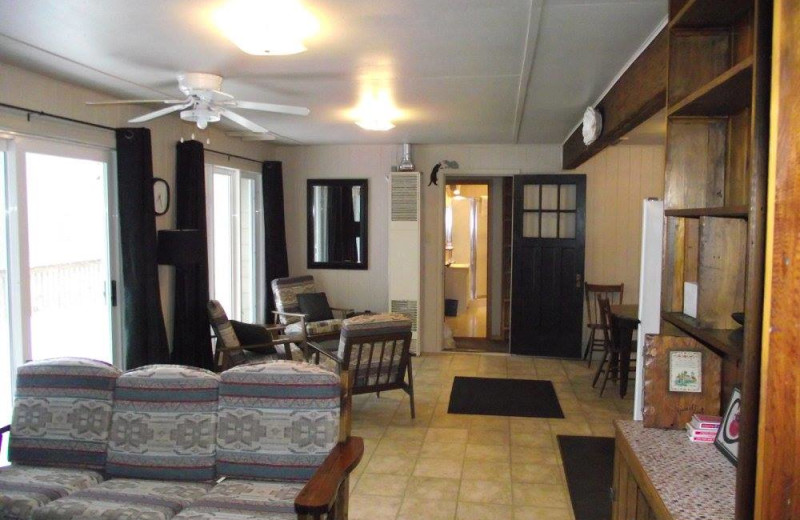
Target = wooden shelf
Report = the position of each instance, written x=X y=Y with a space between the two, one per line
x=724 y=211
x=725 y=342
x=727 y=94
x=706 y=13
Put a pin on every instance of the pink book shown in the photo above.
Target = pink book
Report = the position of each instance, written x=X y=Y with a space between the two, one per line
x=706 y=422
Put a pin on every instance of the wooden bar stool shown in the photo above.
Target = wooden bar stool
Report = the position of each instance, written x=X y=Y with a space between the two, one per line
x=613 y=293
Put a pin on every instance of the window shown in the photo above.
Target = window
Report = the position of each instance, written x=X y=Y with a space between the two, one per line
x=236 y=242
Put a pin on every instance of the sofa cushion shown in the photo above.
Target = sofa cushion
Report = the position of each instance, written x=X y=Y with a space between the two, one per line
x=163 y=424
x=25 y=488
x=125 y=499
x=245 y=500
x=277 y=420
x=62 y=412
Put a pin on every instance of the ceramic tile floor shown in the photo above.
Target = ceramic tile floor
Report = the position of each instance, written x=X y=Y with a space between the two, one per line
x=445 y=466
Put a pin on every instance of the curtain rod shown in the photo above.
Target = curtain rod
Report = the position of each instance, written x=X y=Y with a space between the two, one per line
x=233 y=155
x=55 y=116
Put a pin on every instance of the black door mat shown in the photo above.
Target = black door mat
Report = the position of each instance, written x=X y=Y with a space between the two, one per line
x=589 y=467
x=506 y=397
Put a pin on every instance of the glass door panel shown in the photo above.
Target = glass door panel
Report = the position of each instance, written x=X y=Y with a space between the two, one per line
x=5 y=331
x=68 y=257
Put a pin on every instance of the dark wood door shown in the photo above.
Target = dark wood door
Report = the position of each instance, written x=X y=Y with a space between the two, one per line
x=547 y=270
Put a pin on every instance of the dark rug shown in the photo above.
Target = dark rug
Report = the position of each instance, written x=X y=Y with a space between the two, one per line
x=507 y=397
x=589 y=466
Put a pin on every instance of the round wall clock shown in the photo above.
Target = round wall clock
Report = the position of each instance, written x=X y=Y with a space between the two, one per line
x=592 y=125
x=160 y=196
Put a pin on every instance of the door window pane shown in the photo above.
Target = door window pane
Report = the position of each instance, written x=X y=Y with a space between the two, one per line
x=247 y=250
x=549 y=225
x=549 y=196
x=530 y=196
x=566 y=227
x=223 y=242
x=567 y=196
x=68 y=256
x=530 y=225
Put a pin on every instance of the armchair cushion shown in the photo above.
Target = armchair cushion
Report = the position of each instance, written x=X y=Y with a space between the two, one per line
x=164 y=424
x=126 y=498
x=314 y=328
x=25 y=488
x=286 y=290
x=251 y=334
x=244 y=500
x=277 y=421
x=62 y=412
x=315 y=306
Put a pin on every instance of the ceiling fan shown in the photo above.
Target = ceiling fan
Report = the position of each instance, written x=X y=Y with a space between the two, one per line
x=206 y=103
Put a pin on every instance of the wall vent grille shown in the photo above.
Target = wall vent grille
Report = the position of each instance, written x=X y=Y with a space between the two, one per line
x=408 y=308
x=404 y=198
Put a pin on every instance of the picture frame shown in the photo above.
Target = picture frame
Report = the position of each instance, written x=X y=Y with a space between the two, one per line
x=161 y=196
x=686 y=371
x=727 y=439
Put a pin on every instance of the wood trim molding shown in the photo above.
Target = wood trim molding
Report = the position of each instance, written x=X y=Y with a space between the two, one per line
x=638 y=95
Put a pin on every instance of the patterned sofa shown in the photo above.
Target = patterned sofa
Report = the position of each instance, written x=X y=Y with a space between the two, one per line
x=259 y=441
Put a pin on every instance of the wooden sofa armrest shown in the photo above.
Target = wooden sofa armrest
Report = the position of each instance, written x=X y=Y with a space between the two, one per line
x=320 y=493
x=319 y=350
x=4 y=429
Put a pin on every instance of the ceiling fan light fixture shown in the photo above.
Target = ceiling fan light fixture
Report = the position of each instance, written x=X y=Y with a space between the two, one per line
x=200 y=115
x=267 y=27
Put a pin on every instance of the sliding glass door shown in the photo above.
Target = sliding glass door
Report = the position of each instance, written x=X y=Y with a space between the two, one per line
x=56 y=256
x=235 y=239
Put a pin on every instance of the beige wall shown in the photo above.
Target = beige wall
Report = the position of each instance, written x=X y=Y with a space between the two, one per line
x=617 y=181
x=35 y=91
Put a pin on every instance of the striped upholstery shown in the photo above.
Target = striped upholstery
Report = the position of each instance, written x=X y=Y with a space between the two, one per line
x=221 y=324
x=277 y=420
x=246 y=500
x=25 y=488
x=374 y=362
x=316 y=327
x=62 y=412
x=163 y=424
x=125 y=499
x=286 y=291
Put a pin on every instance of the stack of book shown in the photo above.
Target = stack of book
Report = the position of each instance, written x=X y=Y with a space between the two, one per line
x=703 y=428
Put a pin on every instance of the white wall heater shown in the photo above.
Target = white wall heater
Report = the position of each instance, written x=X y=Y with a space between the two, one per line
x=405 y=243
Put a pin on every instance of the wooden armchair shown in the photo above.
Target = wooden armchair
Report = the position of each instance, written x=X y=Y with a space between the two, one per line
x=287 y=293
x=257 y=342
x=374 y=348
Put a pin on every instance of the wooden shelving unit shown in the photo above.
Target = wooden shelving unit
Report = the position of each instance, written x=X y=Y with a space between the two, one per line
x=715 y=193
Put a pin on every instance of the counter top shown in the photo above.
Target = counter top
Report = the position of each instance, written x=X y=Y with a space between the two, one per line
x=693 y=480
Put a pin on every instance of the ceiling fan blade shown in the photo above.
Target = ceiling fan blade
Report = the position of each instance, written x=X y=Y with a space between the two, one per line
x=136 y=102
x=269 y=107
x=250 y=136
x=159 y=113
x=241 y=121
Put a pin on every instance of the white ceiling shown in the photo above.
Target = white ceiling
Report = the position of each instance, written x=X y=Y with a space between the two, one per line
x=465 y=71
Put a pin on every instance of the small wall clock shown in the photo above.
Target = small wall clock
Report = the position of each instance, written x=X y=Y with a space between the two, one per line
x=160 y=196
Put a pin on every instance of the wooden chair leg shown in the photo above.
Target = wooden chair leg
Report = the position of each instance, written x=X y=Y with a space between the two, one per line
x=590 y=348
x=411 y=390
x=600 y=369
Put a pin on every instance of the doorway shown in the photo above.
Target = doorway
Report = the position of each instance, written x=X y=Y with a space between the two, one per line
x=473 y=278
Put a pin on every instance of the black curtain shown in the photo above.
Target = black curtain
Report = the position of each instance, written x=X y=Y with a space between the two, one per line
x=191 y=343
x=342 y=231
x=276 y=261
x=144 y=334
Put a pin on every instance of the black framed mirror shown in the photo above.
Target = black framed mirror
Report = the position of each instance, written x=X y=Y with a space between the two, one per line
x=337 y=223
